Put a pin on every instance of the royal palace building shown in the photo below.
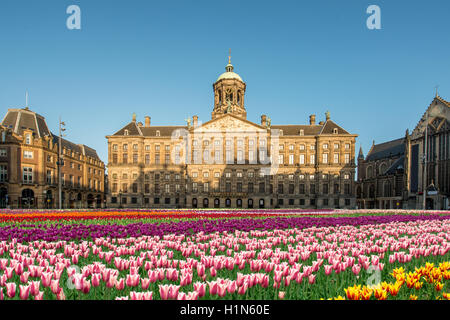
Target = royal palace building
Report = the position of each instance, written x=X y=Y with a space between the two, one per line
x=412 y=172
x=231 y=162
x=29 y=166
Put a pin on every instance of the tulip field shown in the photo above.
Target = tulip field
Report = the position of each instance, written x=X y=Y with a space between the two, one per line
x=215 y=254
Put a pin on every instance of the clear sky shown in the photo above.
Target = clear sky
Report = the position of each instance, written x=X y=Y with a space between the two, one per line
x=160 y=58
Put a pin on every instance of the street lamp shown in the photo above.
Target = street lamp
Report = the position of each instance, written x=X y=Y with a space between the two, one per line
x=120 y=198
x=60 y=161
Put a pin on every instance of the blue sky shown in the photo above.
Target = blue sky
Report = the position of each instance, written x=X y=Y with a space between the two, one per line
x=160 y=58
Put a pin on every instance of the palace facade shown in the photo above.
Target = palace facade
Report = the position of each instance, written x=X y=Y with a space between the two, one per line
x=402 y=172
x=29 y=170
x=231 y=162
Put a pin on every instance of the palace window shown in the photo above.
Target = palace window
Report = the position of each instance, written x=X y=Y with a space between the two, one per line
x=312 y=159
x=27 y=175
x=28 y=154
x=3 y=173
x=336 y=158
x=325 y=158
x=325 y=145
x=347 y=158
x=135 y=146
x=114 y=147
x=291 y=159
x=302 y=159
x=28 y=138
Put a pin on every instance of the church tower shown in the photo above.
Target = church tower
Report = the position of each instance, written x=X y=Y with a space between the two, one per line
x=229 y=91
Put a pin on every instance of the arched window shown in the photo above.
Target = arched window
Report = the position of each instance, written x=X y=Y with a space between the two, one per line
x=125 y=132
x=372 y=191
x=239 y=97
x=220 y=96
x=387 y=189
x=369 y=172
x=158 y=133
x=382 y=168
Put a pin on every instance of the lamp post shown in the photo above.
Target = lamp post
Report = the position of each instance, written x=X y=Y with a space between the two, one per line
x=60 y=161
x=425 y=156
x=120 y=199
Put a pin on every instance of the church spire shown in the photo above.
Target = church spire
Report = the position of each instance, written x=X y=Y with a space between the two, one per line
x=361 y=154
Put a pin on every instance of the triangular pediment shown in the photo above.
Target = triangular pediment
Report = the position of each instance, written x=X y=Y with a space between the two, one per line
x=438 y=115
x=231 y=123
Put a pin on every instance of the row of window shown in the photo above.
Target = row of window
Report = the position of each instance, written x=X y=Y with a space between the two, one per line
x=240 y=158
x=227 y=187
x=239 y=143
x=239 y=174
x=239 y=202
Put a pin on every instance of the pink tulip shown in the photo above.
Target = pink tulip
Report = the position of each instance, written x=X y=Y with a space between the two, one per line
x=39 y=296
x=312 y=278
x=19 y=269
x=281 y=294
x=60 y=295
x=111 y=281
x=136 y=295
x=213 y=288
x=1 y=294
x=181 y=296
x=145 y=282
x=24 y=277
x=148 y=295
x=232 y=287
x=213 y=271
x=24 y=292
x=221 y=290
x=328 y=269
x=132 y=280
x=10 y=289
x=120 y=284
x=86 y=286
x=46 y=279
x=34 y=287
x=54 y=286
x=164 y=291
x=96 y=280
x=9 y=272
x=3 y=280
x=200 y=288
x=356 y=269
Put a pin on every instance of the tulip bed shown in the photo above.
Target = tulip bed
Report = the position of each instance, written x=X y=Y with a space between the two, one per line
x=212 y=254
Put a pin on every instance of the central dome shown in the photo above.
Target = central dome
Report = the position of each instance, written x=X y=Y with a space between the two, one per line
x=229 y=74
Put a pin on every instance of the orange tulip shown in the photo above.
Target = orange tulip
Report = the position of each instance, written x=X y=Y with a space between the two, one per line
x=446 y=295
x=418 y=285
x=439 y=286
x=412 y=297
x=380 y=294
x=353 y=292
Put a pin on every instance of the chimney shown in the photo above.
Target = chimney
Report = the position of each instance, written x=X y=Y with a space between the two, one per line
x=147 y=121
x=312 y=119
x=327 y=115
x=134 y=117
x=195 y=121
x=264 y=120
x=321 y=123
